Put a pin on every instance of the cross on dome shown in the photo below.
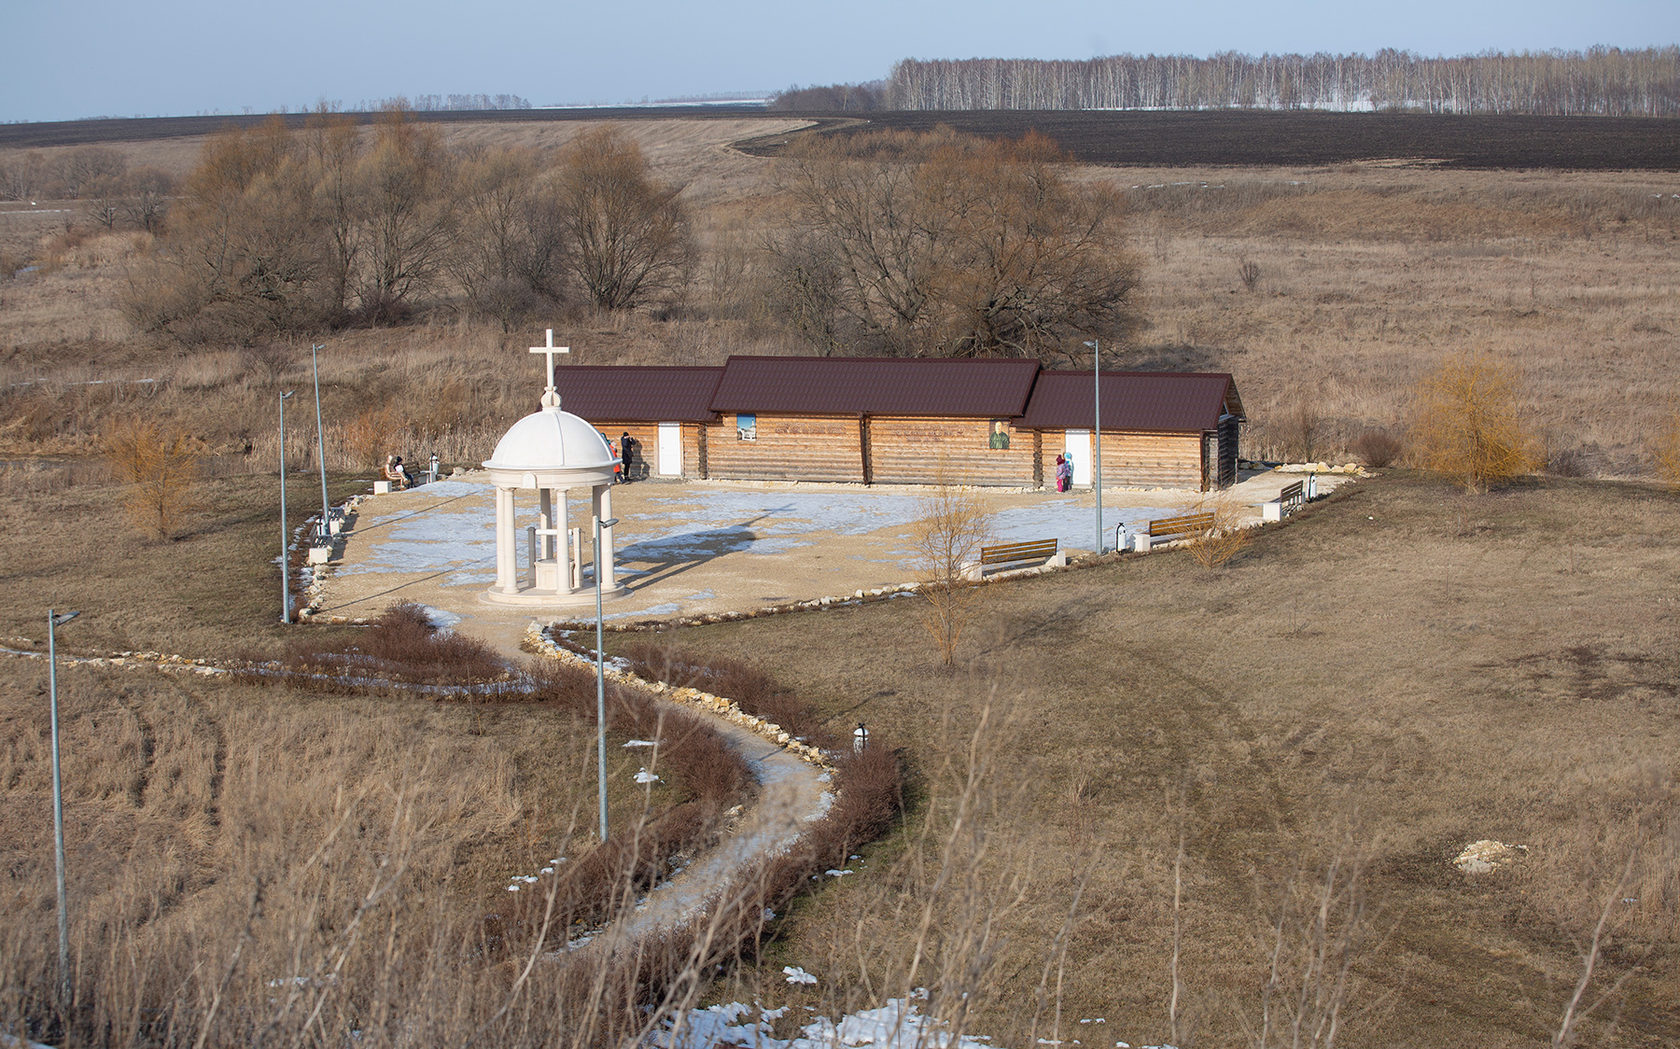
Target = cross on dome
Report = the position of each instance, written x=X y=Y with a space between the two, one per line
x=551 y=396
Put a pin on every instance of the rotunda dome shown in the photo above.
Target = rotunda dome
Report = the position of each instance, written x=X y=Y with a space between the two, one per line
x=551 y=440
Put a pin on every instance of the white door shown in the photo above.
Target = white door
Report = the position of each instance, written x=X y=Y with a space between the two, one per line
x=1078 y=445
x=670 y=449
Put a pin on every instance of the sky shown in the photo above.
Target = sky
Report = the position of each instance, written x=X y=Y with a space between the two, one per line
x=71 y=59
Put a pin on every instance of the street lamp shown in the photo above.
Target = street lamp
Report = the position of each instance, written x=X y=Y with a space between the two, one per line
x=285 y=539
x=1096 y=434
x=325 y=531
x=55 y=620
x=601 y=678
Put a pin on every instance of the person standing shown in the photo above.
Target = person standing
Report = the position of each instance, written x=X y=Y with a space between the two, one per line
x=860 y=739
x=624 y=445
x=1064 y=473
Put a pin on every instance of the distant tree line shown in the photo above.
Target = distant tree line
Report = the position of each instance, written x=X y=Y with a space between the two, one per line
x=1602 y=81
x=449 y=103
x=896 y=243
x=279 y=230
x=111 y=192
x=832 y=98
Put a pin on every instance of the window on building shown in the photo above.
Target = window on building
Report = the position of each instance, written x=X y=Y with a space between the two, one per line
x=746 y=427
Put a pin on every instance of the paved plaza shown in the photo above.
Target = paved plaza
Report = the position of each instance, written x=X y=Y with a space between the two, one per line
x=701 y=547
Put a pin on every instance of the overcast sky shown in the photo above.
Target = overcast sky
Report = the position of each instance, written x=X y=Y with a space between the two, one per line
x=80 y=58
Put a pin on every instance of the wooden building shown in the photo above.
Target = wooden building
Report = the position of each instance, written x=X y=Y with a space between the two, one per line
x=872 y=420
x=665 y=410
x=1159 y=429
x=911 y=421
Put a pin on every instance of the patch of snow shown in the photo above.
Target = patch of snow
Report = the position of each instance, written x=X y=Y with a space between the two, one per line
x=795 y=974
x=1486 y=856
x=645 y=776
x=441 y=619
x=641 y=743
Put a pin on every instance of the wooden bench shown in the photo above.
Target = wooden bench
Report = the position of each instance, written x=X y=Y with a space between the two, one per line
x=1292 y=498
x=1011 y=553
x=1175 y=527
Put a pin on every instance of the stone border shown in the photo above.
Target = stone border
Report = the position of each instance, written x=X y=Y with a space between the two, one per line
x=538 y=641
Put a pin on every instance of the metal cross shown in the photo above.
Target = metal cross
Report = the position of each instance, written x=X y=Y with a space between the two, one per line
x=551 y=396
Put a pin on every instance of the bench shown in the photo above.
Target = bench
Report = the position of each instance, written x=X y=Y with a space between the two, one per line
x=1173 y=528
x=1290 y=499
x=1011 y=553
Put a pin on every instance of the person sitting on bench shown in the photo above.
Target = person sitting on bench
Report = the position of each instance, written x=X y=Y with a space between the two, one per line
x=395 y=473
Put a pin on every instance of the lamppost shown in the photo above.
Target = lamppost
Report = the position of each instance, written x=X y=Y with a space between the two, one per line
x=55 y=620
x=1096 y=434
x=601 y=678
x=285 y=540
x=325 y=531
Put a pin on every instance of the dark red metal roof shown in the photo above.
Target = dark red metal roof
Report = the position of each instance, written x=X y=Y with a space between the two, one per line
x=876 y=386
x=613 y=393
x=1160 y=402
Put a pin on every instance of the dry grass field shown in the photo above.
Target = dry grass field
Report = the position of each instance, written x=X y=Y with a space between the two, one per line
x=1365 y=690
x=245 y=858
x=1365 y=276
x=1397 y=674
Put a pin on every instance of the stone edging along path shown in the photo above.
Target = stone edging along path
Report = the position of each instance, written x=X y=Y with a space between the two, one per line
x=538 y=641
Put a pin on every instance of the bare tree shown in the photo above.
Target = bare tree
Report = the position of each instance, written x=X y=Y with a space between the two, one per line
x=242 y=257
x=946 y=538
x=407 y=216
x=83 y=167
x=21 y=177
x=509 y=247
x=943 y=244
x=333 y=145
x=1469 y=423
x=629 y=242
x=147 y=200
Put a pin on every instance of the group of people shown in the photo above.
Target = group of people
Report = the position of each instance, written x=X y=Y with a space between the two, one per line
x=1064 y=473
x=397 y=473
x=623 y=452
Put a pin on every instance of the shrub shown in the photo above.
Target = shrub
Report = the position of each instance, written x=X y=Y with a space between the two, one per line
x=1469 y=425
x=1377 y=448
x=1225 y=540
x=160 y=463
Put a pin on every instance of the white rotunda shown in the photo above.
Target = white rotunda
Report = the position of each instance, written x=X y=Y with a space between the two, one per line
x=552 y=452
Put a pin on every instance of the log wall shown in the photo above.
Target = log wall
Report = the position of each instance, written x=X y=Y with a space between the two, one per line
x=1137 y=460
x=929 y=450
x=787 y=448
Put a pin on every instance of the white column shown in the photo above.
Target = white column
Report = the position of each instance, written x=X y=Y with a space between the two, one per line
x=545 y=519
x=507 y=580
x=565 y=551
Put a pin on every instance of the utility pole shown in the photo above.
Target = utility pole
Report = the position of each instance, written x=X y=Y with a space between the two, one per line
x=285 y=539
x=325 y=531
x=1096 y=434
x=54 y=621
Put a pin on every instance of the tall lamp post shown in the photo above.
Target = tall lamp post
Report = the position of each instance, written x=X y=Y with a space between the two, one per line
x=601 y=679
x=1096 y=434
x=325 y=532
x=285 y=540
x=55 y=620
